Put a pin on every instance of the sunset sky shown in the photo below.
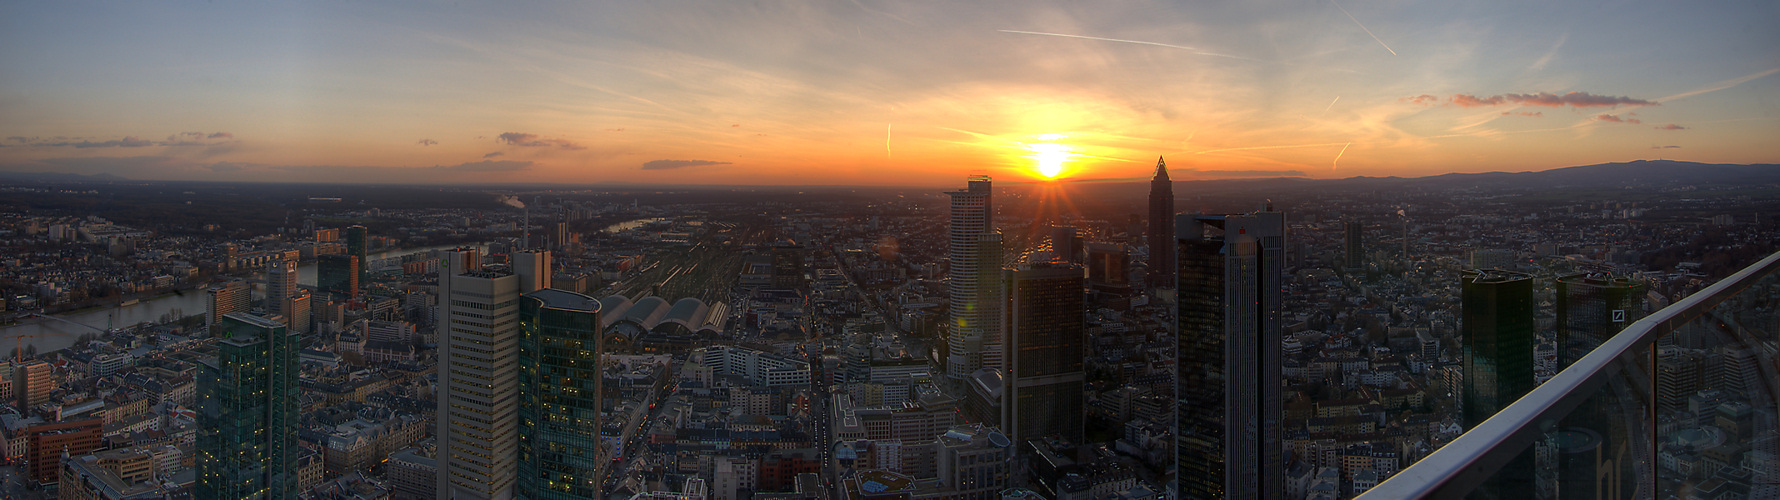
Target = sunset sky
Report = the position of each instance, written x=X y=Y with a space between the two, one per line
x=877 y=92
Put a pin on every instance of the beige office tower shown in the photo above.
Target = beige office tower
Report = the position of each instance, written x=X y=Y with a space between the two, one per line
x=300 y=312
x=533 y=268
x=478 y=371
x=281 y=284
x=233 y=296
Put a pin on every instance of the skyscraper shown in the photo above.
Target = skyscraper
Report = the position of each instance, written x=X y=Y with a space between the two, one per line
x=1065 y=244
x=1230 y=360
x=1044 y=348
x=1496 y=322
x=281 y=284
x=247 y=412
x=1108 y=264
x=559 y=396
x=1161 y=228
x=1355 y=256
x=972 y=282
x=533 y=269
x=301 y=307
x=787 y=266
x=1592 y=308
x=478 y=408
x=338 y=274
x=357 y=245
x=1497 y=326
x=226 y=298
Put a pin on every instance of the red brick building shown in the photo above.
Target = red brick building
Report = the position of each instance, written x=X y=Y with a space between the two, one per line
x=49 y=441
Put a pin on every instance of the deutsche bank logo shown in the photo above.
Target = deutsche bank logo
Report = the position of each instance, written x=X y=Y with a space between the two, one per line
x=1619 y=315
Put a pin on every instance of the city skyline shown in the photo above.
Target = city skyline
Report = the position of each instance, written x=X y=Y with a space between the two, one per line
x=693 y=345
x=851 y=93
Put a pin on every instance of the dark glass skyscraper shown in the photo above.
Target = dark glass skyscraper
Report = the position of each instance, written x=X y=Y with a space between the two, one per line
x=559 y=396
x=1044 y=349
x=788 y=266
x=338 y=274
x=1592 y=308
x=1161 y=232
x=1496 y=321
x=1228 y=339
x=357 y=244
x=1497 y=325
x=247 y=412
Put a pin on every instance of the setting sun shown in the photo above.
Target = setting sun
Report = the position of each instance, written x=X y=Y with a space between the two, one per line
x=1050 y=156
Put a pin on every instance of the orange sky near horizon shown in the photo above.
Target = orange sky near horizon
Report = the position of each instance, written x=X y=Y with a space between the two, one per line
x=869 y=92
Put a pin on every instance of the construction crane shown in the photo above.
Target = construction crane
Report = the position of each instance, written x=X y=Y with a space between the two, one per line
x=19 y=340
x=19 y=344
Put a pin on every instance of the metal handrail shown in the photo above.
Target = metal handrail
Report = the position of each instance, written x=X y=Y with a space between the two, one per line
x=1462 y=465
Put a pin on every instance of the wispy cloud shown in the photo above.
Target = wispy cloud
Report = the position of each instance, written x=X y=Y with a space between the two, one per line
x=128 y=141
x=533 y=141
x=1534 y=114
x=494 y=154
x=1672 y=126
x=1665 y=147
x=1720 y=85
x=1189 y=172
x=1424 y=99
x=1139 y=42
x=673 y=164
x=487 y=166
x=1547 y=99
x=1549 y=54
x=1617 y=119
x=427 y=142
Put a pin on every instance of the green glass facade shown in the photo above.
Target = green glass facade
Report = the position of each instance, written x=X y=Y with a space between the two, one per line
x=339 y=274
x=357 y=243
x=247 y=412
x=559 y=396
x=1497 y=323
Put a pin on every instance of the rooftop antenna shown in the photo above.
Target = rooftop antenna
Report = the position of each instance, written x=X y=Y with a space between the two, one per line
x=525 y=234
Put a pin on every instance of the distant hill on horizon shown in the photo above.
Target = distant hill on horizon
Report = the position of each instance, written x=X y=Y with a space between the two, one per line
x=1638 y=173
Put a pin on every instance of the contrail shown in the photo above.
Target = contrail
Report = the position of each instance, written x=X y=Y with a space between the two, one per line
x=1338 y=156
x=1331 y=104
x=1269 y=147
x=1362 y=26
x=1139 y=42
x=1720 y=85
x=887 y=141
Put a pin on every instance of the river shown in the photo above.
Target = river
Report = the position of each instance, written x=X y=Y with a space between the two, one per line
x=49 y=334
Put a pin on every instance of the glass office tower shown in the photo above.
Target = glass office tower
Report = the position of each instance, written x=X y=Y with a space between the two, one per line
x=247 y=412
x=559 y=396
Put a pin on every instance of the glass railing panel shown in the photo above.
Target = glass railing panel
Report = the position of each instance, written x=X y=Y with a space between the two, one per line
x=1716 y=392
x=1679 y=404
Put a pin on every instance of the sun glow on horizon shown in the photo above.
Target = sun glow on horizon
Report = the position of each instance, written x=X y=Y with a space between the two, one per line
x=1050 y=156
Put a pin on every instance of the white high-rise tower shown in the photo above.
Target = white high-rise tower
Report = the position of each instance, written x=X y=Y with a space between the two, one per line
x=974 y=278
x=281 y=285
x=478 y=370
